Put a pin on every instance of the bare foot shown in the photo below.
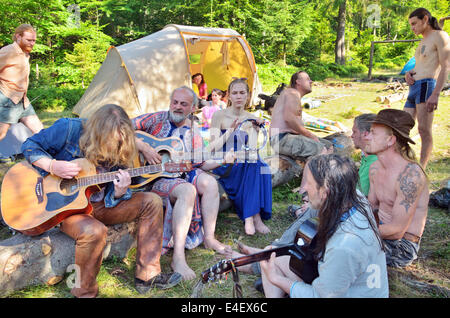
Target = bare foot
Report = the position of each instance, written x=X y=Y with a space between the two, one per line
x=259 y=225
x=245 y=249
x=249 y=226
x=214 y=244
x=180 y=266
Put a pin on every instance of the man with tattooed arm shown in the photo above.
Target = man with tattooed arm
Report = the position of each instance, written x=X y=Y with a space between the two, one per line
x=398 y=186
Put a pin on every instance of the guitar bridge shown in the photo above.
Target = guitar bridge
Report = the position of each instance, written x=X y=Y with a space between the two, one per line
x=39 y=189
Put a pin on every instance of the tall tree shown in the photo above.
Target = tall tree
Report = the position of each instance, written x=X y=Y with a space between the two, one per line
x=339 y=57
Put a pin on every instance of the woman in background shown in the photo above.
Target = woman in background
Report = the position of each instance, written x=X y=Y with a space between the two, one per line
x=199 y=81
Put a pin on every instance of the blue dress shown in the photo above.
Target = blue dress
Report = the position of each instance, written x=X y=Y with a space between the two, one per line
x=248 y=185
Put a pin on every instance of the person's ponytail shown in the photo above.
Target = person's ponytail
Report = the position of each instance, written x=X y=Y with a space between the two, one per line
x=434 y=23
x=420 y=13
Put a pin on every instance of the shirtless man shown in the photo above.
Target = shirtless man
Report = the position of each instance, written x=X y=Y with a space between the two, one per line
x=398 y=186
x=428 y=77
x=14 y=78
x=288 y=134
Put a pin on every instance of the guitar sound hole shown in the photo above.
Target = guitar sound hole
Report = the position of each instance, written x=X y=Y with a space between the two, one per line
x=165 y=156
x=68 y=185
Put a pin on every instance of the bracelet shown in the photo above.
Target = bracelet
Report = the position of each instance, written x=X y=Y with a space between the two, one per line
x=50 y=167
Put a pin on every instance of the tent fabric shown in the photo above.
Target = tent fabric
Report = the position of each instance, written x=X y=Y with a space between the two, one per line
x=140 y=75
x=12 y=143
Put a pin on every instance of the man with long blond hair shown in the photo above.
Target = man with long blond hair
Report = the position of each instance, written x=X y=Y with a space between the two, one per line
x=14 y=78
x=106 y=140
x=398 y=186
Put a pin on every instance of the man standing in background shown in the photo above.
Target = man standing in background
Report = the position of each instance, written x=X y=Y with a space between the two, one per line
x=14 y=78
x=428 y=77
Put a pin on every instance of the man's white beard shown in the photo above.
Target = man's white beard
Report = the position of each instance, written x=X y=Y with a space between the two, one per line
x=176 y=118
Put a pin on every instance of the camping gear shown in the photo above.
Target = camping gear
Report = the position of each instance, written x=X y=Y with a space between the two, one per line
x=141 y=75
x=309 y=103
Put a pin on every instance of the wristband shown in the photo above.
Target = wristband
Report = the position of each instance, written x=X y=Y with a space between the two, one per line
x=50 y=167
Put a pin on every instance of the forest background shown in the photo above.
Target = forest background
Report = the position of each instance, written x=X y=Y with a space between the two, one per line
x=327 y=38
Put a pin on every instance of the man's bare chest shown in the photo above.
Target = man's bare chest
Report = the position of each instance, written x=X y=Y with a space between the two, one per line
x=385 y=185
x=426 y=51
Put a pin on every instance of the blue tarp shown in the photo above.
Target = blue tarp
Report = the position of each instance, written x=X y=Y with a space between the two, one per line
x=408 y=66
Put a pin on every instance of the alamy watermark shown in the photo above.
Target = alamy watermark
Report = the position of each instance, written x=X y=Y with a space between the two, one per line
x=73 y=21
x=373 y=20
x=74 y=279
x=374 y=279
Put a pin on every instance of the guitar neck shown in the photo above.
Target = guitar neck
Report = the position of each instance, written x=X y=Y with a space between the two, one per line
x=262 y=256
x=226 y=266
x=110 y=176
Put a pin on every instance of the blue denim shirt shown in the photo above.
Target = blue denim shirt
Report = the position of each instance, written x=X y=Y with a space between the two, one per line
x=61 y=142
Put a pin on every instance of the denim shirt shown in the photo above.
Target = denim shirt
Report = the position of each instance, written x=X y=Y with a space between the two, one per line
x=61 y=142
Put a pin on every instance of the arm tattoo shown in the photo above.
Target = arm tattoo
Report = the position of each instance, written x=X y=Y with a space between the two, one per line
x=409 y=181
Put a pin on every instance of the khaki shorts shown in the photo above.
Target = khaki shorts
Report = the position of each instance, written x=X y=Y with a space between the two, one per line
x=11 y=113
x=298 y=146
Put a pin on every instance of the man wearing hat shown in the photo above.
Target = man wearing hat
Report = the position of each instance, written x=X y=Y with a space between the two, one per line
x=398 y=186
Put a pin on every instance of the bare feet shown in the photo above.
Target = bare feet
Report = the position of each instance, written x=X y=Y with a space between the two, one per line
x=214 y=244
x=245 y=249
x=259 y=225
x=249 y=226
x=254 y=224
x=179 y=265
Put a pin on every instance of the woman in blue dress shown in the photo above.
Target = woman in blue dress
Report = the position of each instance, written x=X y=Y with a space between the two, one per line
x=247 y=184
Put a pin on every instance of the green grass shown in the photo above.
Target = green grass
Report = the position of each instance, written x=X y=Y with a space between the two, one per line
x=432 y=268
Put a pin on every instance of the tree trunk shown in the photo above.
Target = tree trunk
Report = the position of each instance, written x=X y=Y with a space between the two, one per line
x=339 y=48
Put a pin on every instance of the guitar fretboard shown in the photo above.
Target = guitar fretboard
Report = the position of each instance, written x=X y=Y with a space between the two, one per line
x=110 y=176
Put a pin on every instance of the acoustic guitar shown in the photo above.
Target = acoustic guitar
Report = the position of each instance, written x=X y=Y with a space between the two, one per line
x=298 y=252
x=32 y=204
x=171 y=149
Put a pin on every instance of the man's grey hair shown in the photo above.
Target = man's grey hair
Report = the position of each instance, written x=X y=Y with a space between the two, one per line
x=364 y=121
x=194 y=95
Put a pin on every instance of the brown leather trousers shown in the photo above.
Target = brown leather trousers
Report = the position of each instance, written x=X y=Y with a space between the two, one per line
x=89 y=233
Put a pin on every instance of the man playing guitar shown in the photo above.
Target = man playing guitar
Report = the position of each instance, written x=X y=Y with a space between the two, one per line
x=347 y=247
x=106 y=140
x=191 y=202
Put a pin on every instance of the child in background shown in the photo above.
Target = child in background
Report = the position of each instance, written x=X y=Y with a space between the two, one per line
x=214 y=105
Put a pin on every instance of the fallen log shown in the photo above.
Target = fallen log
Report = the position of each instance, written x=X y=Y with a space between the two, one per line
x=284 y=169
x=394 y=98
x=44 y=259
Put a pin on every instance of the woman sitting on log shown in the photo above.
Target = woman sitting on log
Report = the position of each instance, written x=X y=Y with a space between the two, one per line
x=248 y=184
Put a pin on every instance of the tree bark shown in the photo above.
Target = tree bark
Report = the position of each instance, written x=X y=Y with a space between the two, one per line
x=339 y=49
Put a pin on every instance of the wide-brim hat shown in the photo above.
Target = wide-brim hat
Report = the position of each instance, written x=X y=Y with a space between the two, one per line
x=399 y=120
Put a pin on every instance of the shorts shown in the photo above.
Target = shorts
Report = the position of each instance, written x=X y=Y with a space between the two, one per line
x=11 y=113
x=419 y=92
x=298 y=146
x=400 y=253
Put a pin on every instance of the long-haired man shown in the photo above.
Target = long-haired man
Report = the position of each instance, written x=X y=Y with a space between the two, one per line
x=107 y=141
x=398 y=186
x=428 y=77
x=347 y=247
